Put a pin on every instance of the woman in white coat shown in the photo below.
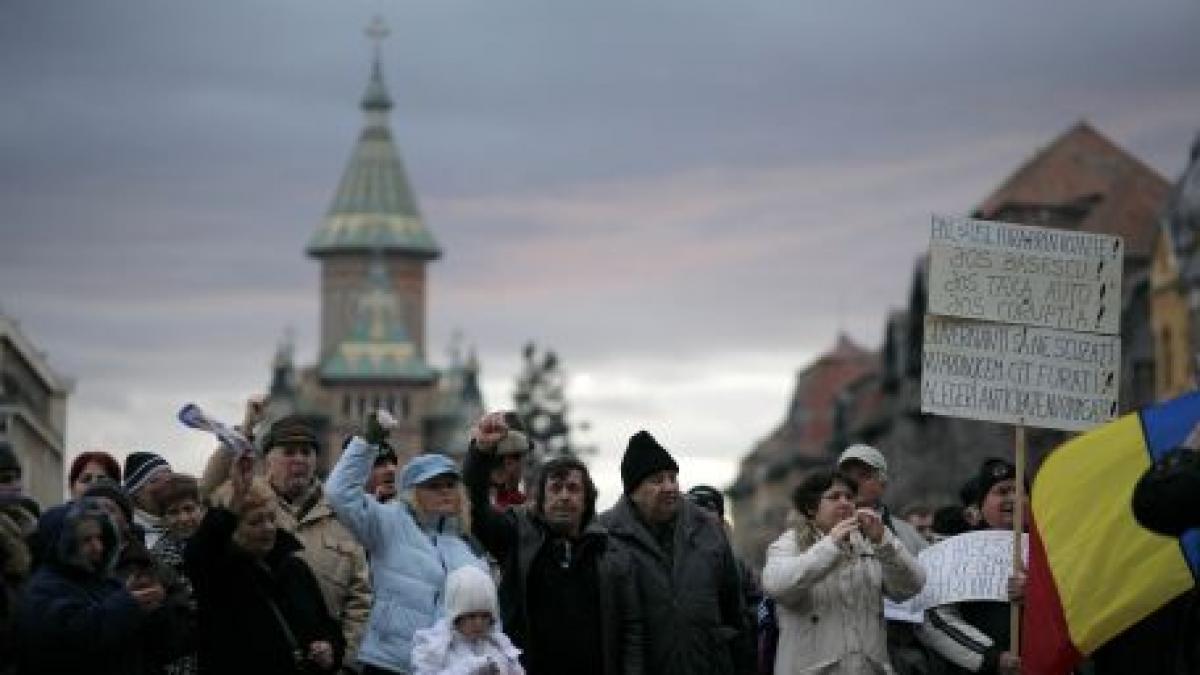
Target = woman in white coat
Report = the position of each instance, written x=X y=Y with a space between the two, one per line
x=828 y=575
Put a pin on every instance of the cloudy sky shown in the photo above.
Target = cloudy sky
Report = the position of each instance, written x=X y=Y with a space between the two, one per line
x=687 y=199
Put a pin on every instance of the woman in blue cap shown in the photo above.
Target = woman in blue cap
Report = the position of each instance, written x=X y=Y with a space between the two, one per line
x=413 y=543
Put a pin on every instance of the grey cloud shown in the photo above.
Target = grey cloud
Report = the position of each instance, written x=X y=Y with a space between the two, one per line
x=709 y=176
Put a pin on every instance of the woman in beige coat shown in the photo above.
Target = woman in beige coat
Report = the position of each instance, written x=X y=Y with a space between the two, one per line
x=828 y=575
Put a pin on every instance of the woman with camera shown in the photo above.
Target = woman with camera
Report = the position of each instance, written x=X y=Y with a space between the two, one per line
x=828 y=575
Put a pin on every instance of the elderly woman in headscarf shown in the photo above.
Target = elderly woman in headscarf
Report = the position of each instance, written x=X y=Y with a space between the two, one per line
x=74 y=616
x=828 y=575
x=413 y=543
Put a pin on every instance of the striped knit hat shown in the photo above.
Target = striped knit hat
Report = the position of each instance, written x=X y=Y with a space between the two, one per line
x=139 y=467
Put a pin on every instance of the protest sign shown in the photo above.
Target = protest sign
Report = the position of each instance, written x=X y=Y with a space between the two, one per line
x=1033 y=276
x=1019 y=374
x=971 y=566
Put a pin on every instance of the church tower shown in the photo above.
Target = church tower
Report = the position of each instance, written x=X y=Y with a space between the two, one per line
x=373 y=248
x=373 y=214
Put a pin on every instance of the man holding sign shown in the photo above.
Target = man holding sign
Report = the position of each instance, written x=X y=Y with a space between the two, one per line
x=973 y=636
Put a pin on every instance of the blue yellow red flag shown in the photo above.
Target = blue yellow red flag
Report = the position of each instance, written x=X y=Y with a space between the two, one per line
x=1093 y=570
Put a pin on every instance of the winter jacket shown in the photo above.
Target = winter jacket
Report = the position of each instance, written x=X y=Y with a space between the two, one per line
x=516 y=537
x=441 y=650
x=409 y=560
x=333 y=555
x=960 y=642
x=16 y=525
x=241 y=600
x=172 y=631
x=169 y=552
x=691 y=600
x=829 y=599
x=71 y=618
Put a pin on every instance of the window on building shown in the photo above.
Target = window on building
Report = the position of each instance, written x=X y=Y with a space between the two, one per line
x=391 y=403
x=362 y=406
x=347 y=406
x=404 y=407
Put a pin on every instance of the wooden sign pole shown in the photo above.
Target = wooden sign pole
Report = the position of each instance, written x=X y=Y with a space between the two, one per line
x=1018 y=530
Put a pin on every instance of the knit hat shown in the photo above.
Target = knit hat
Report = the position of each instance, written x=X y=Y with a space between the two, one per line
x=643 y=456
x=708 y=497
x=424 y=467
x=470 y=589
x=140 y=467
x=387 y=455
x=111 y=491
x=1166 y=499
x=860 y=452
x=290 y=430
x=992 y=471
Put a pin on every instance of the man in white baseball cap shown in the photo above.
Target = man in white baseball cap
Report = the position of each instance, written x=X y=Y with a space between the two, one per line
x=868 y=467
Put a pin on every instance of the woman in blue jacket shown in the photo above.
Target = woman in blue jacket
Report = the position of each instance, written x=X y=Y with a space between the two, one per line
x=413 y=543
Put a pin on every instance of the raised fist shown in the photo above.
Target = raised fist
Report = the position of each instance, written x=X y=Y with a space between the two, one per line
x=489 y=431
x=379 y=424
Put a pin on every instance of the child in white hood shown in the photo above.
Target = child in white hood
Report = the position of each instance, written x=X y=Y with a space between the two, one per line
x=468 y=640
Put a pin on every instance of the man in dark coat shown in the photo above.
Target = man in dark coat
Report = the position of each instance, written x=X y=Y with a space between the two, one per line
x=567 y=595
x=687 y=574
x=74 y=617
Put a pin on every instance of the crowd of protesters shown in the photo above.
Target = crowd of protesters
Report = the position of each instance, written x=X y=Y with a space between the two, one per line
x=259 y=567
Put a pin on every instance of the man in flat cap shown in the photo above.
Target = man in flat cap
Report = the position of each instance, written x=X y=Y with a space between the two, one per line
x=687 y=576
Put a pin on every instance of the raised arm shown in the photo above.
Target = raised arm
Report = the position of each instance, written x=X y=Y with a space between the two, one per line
x=346 y=491
x=496 y=532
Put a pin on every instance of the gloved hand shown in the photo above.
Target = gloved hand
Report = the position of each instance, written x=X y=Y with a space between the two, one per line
x=377 y=429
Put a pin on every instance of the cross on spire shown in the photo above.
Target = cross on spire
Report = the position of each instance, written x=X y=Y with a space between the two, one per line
x=378 y=31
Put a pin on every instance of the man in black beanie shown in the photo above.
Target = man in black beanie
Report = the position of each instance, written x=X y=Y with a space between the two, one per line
x=973 y=636
x=687 y=576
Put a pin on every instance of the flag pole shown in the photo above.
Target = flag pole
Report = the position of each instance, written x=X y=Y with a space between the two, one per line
x=1018 y=530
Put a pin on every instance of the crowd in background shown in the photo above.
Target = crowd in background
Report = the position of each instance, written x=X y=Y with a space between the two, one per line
x=257 y=566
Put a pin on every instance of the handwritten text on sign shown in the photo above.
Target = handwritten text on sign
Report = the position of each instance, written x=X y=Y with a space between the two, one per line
x=971 y=566
x=1019 y=374
x=1035 y=276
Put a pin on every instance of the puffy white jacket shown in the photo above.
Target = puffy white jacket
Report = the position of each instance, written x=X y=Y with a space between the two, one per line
x=830 y=599
x=441 y=650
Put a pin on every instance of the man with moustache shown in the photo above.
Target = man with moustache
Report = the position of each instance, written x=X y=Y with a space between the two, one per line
x=567 y=595
x=687 y=574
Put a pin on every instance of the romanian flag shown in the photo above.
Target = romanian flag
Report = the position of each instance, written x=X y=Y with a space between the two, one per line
x=1093 y=570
